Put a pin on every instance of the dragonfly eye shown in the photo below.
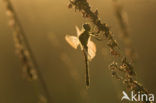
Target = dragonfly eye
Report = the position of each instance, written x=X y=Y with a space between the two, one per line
x=86 y=27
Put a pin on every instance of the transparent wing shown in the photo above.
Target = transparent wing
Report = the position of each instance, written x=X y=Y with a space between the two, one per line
x=72 y=40
x=91 y=50
x=79 y=32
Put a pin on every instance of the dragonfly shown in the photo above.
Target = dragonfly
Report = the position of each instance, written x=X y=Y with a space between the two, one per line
x=83 y=39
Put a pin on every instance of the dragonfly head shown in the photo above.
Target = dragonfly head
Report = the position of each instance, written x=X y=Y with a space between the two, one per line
x=86 y=27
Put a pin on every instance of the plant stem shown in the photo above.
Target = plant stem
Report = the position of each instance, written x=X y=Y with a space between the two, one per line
x=24 y=51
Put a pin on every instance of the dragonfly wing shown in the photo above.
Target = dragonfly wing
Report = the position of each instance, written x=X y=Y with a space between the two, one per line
x=72 y=40
x=79 y=32
x=91 y=50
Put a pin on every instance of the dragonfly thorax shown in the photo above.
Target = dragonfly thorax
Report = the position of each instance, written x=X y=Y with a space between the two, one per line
x=84 y=39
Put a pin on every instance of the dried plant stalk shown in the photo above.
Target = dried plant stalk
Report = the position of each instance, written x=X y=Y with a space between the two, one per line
x=122 y=18
x=23 y=50
x=103 y=30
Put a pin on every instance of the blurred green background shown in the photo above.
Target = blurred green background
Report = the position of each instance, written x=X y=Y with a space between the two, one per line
x=46 y=22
